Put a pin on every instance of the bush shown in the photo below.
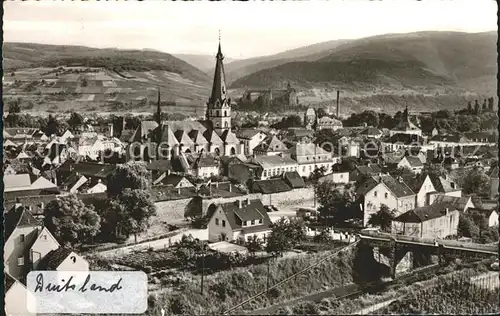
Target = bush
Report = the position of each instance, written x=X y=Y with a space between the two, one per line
x=286 y=310
x=148 y=269
x=275 y=292
x=306 y=308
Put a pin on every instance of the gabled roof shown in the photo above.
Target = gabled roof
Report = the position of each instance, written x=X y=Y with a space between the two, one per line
x=88 y=169
x=229 y=137
x=173 y=180
x=252 y=211
x=198 y=137
x=494 y=173
x=406 y=139
x=454 y=138
x=273 y=161
x=9 y=282
x=370 y=169
x=143 y=130
x=444 y=185
x=183 y=138
x=12 y=182
x=425 y=213
x=307 y=149
x=270 y=144
x=270 y=186
x=294 y=179
x=247 y=133
x=18 y=217
x=8 y=143
x=414 y=162
x=398 y=188
x=54 y=259
x=212 y=137
x=325 y=120
x=414 y=182
x=453 y=201
x=370 y=131
x=201 y=161
x=167 y=135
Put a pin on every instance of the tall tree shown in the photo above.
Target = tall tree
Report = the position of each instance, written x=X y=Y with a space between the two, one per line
x=75 y=120
x=132 y=175
x=383 y=218
x=336 y=202
x=71 y=221
x=476 y=182
x=285 y=234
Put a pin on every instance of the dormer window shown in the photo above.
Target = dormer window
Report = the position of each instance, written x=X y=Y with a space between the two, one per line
x=253 y=222
x=20 y=261
x=260 y=221
x=244 y=223
x=22 y=238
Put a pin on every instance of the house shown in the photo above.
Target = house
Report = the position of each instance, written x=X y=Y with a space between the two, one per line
x=27 y=184
x=63 y=259
x=431 y=221
x=272 y=166
x=239 y=220
x=336 y=177
x=402 y=141
x=250 y=138
x=412 y=163
x=271 y=146
x=16 y=297
x=326 y=122
x=310 y=157
x=205 y=165
x=444 y=184
x=462 y=204
x=449 y=140
x=363 y=171
x=34 y=204
x=422 y=186
x=270 y=186
x=175 y=181
x=386 y=190
x=91 y=170
x=294 y=180
x=491 y=214
x=98 y=188
x=482 y=138
x=27 y=241
x=405 y=126
x=90 y=147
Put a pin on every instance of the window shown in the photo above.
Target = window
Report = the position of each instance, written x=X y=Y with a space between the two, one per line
x=265 y=173
x=375 y=193
x=20 y=261
x=21 y=238
x=216 y=113
x=244 y=223
x=386 y=195
x=401 y=204
x=260 y=221
x=341 y=176
x=216 y=221
x=223 y=223
x=253 y=222
x=225 y=113
x=304 y=169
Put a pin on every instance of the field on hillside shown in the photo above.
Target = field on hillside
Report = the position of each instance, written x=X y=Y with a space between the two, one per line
x=99 y=89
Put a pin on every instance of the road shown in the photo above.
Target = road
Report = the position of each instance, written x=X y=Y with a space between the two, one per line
x=201 y=234
x=316 y=297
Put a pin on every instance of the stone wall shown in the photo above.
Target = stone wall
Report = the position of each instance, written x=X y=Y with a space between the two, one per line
x=296 y=196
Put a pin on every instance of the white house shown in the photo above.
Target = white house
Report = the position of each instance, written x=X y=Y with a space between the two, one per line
x=412 y=163
x=336 y=177
x=250 y=138
x=274 y=165
x=310 y=156
x=16 y=298
x=423 y=188
x=385 y=190
x=239 y=220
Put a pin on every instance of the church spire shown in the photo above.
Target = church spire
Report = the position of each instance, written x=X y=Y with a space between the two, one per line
x=219 y=92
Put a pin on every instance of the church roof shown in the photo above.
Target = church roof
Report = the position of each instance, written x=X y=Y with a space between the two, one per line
x=219 y=89
x=229 y=137
x=167 y=136
x=212 y=137
x=183 y=138
x=197 y=137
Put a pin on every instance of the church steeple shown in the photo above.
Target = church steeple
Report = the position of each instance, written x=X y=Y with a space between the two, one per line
x=219 y=103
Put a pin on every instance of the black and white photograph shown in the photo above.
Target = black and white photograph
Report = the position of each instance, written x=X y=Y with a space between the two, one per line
x=250 y=157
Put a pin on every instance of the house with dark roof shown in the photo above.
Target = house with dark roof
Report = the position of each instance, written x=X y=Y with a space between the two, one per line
x=378 y=190
x=270 y=186
x=250 y=138
x=437 y=220
x=271 y=146
x=26 y=242
x=446 y=185
x=27 y=185
x=463 y=204
x=412 y=163
x=91 y=170
x=294 y=180
x=63 y=259
x=238 y=220
x=363 y=171
x=423 y=188
x=371 y=132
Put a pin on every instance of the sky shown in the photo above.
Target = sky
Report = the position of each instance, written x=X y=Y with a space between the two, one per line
x=248 y=29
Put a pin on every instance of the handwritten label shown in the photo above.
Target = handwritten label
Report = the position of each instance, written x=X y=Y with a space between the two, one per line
x=93 y=292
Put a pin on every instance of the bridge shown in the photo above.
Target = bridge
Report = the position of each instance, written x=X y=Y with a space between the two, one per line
x=398 y=247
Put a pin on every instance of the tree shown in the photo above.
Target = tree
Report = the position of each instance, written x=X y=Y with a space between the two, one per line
x=71 y=221
x=383 y=218
x=132 y=175
x=285 y=234
x=336 y=202
x=476 y=182
x=75 y=120
x=290 y=121
x=321 y=112
x=54 y=127
x=254 y=244
x=14 y=106
x=317 y=174
x=129 y=213
x=467 y=227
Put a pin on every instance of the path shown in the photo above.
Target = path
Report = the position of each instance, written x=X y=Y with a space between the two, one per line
x=201 y=234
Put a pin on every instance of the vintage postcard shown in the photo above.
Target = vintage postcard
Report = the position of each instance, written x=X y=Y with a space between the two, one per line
x=250 y=158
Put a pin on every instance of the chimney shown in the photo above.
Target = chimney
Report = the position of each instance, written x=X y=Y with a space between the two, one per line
x=110 y=130
x=230 y=187
x=338 y=103
x=446 y=211
x=240 y=203
x=248 y=201
x=179 y=190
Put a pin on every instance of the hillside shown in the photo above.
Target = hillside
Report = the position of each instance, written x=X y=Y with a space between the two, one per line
x=424 y=63
x=68 y=77
x=240 y=68
x=203 y=62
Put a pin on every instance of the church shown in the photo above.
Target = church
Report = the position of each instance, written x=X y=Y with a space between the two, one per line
x=165 y=140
